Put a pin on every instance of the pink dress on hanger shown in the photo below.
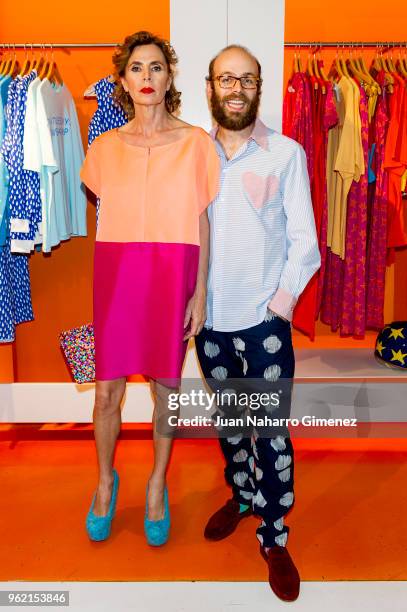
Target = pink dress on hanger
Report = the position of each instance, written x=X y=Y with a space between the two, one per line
x=330 y=119
x=377 y=233
x=344 y=294
x=353 y=315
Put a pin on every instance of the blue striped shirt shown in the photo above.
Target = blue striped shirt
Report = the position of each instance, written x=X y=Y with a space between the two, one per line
x=263 y=242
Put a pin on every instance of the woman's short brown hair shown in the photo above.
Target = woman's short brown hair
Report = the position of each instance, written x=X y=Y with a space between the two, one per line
x=120 y=61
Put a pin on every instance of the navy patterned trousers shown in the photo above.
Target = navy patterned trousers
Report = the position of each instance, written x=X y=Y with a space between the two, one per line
x=259 y=464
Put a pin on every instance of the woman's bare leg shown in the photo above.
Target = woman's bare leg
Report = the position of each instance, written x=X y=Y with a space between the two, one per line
x=162 y=450
x=107 y=423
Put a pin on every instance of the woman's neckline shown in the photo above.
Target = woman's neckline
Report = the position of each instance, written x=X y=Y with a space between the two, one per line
x=168 y=144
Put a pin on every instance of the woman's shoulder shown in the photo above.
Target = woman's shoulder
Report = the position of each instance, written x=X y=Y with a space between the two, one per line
x=195 y=130
x=104 y=138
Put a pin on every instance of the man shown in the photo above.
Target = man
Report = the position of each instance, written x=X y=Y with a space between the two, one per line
x=264 y=250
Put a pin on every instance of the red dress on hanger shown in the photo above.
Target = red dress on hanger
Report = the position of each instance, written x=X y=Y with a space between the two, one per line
x=299 y=115
x=395 y=163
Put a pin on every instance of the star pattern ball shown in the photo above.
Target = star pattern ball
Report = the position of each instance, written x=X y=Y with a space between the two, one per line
x=391 y=345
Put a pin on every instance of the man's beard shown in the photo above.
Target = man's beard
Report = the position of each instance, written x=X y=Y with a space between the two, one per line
x=234 y=121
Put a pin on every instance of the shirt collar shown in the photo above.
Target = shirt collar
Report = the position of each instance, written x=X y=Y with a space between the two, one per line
x=259 y=134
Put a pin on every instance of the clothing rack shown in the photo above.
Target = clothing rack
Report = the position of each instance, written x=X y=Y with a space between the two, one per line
x=309 y=44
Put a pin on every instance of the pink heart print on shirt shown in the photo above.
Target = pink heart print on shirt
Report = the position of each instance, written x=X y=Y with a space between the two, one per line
x=259 y=189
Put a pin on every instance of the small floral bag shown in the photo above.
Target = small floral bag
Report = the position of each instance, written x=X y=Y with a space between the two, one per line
x=78 y=346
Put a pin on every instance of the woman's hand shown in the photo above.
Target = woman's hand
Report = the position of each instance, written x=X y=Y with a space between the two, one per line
x=195 y=314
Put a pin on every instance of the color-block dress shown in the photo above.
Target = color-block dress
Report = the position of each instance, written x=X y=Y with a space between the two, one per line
x=147 y=248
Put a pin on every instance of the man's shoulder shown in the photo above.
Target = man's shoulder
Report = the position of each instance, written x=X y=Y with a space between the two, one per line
x=276 y=138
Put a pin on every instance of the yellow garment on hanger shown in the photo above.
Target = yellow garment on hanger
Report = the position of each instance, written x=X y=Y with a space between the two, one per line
x=404 y=181
x=345 y=162
x=372 y=100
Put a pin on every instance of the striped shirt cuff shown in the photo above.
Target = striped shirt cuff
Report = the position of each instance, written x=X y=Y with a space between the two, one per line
x=283 y=303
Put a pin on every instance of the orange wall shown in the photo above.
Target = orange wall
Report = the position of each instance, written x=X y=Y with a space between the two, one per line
x=62 y=281
x=351 y=20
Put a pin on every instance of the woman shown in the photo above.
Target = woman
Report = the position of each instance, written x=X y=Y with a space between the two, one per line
x=155 y=176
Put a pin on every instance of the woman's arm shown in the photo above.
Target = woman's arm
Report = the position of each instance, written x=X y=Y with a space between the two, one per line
x=196 y=309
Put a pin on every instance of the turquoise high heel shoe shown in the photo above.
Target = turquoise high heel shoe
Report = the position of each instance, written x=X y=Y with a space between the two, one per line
x=98 y=527
x=157 y=532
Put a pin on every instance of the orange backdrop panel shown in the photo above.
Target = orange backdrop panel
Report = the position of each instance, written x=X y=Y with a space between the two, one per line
x=61 y=282
x=350 y=20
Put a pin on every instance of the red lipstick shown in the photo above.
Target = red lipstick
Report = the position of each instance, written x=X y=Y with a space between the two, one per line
x=147 y=90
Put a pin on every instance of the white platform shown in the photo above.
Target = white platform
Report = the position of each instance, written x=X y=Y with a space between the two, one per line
x=222 y=596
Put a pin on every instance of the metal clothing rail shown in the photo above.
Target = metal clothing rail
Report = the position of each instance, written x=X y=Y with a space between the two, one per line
x=319 y=44
x=348 y=44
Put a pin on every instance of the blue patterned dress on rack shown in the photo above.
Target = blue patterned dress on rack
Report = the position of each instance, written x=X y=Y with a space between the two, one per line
x=24 y=185
x=108 y=115
x=15 y=289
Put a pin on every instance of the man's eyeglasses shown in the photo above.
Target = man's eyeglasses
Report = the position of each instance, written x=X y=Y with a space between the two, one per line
x=226 y=81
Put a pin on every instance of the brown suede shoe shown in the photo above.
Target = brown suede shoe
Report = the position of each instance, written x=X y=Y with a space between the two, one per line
x=225 y=520
x=284 y=578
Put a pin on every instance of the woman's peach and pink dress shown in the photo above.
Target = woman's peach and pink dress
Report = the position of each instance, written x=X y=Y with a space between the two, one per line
x=147 y=248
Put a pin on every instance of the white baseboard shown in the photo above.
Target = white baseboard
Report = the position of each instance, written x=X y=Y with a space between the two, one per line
x=71 y=403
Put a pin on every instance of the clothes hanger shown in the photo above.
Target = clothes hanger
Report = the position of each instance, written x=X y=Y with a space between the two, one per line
x=376 y=62
x=358 y=64
x=363 y=64
x=319 y=69
x=3 y=60
x=299 y=63
x=25 y=68
x=390 y=61
x=389 y=76
x=324 y=77
x=315 y=66
x=42 y=59
x=335 y=72
x=309 y=63
x=295 y=62
x=299 y=59
x=55 y=75
x=400 y=66
x=351 y=61
x=404 y=59
x=350 y=64
x=45 y=66
x=383 y=60
x=317 y=74
x=13 y=65
x=373 y=84
x=343 y=64
x=7 y=61
x=37 y=61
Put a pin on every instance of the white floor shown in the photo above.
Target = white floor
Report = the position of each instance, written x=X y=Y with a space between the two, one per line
x=221 y=596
